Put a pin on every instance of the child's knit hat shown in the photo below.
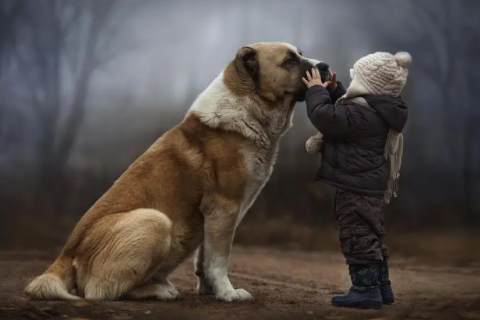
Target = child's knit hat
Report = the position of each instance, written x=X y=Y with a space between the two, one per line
x=382 y=73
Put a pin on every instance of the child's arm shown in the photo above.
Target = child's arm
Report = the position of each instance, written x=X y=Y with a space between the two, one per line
x=338 y=92
x=330 y=120
x=338 y=89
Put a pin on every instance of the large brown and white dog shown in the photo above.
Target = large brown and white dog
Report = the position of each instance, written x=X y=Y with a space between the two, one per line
x=187 y=192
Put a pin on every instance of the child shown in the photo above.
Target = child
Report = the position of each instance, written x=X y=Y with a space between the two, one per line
x=361 y=129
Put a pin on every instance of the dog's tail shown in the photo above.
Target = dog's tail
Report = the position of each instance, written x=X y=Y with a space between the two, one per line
x=55 y=283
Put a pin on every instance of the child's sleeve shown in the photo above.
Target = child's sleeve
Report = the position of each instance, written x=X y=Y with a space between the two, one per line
x=338 y=92
x=332 y=121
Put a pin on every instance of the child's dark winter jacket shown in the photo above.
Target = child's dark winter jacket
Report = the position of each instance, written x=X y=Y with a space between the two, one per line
x=354 y=138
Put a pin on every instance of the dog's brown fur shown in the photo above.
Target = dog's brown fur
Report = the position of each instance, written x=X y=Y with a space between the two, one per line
x=189 y=190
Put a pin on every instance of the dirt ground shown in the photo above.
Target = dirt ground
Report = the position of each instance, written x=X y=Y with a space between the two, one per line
x=285 y=285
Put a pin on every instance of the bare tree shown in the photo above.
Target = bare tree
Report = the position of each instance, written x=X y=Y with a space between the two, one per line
x=58 y=47
x=445 y=25
x=468 y=53
x=11 y=14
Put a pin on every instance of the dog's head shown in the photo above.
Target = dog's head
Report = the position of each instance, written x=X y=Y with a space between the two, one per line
x=275 y=69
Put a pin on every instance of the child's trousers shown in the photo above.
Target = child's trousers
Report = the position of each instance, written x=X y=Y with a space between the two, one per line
x=361 y=224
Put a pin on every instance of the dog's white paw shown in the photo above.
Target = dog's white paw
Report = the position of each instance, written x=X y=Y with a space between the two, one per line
x=167 y=292
x=235 y=295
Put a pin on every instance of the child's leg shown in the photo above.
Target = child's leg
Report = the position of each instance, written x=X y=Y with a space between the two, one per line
x=384 y=276
x=385 y=250
x=361 y=237
x=361 y=227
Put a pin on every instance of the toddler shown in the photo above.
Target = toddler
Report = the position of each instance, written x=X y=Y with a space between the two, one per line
x=361 y=146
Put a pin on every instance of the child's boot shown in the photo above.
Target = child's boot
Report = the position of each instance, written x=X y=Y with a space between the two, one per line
x=365 y=291
x=385 y=284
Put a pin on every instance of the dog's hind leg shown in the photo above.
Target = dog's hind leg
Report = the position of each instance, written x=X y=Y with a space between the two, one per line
x=124 y=251
x=162 y=291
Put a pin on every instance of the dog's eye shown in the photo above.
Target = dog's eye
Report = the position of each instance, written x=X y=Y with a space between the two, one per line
x=290 y=62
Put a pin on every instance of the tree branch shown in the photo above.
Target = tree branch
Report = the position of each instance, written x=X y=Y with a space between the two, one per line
x=74 y=120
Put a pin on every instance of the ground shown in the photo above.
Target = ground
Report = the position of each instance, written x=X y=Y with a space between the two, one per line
x=285 y=284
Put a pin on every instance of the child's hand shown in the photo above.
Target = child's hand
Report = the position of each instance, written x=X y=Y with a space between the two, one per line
x=333 y=85
x=314 y=79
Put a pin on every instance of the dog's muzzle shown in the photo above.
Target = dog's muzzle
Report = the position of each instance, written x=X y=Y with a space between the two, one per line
x=307 y=65
x=323 y=67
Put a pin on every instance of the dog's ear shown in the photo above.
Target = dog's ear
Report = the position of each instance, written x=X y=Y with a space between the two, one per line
x=247 y=61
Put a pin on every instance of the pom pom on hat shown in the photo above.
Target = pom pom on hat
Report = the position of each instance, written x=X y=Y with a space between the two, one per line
x=403 y=58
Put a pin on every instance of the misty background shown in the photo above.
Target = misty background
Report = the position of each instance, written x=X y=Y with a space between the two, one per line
x=87 y=86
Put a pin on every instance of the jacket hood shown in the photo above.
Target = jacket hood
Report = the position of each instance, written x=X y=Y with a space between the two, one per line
x=392 y=109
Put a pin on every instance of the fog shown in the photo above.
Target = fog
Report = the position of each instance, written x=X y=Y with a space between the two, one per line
x=87 y=86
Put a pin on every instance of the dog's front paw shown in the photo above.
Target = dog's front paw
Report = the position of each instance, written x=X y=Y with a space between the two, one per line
x=314 y=144
x=235 y=295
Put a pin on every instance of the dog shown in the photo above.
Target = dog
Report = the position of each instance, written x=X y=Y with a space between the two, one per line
x=188 y=192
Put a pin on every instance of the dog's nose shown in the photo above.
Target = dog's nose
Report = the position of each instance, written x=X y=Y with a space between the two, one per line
x=322 y=66
x=324 y=69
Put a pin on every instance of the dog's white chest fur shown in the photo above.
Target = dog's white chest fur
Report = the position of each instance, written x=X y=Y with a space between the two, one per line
x=218 y=107
x=259 y=164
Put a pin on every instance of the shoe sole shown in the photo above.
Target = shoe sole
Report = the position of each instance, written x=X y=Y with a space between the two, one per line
x=361 y=305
